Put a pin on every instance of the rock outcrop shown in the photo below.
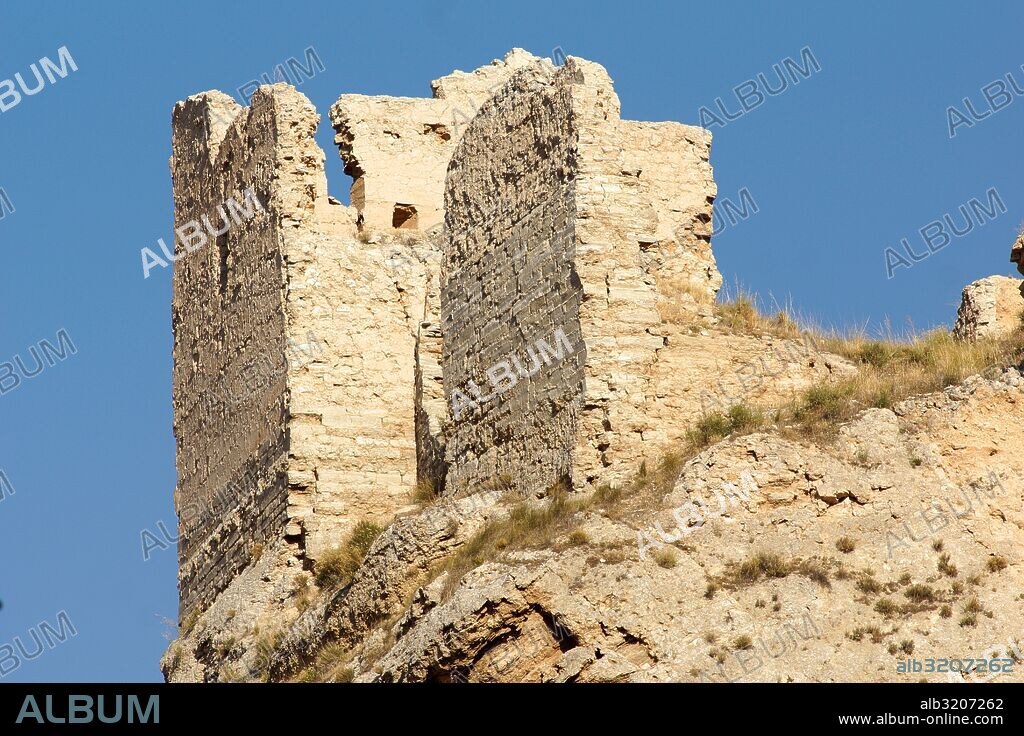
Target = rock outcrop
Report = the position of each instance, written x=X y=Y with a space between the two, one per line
x=991 y=307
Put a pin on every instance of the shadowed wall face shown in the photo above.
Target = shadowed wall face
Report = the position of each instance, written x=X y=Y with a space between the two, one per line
x=509 y=288
x=566 y=227
x=228 y=322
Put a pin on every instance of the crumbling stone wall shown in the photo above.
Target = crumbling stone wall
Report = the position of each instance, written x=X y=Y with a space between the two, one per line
x=508 y=281
x=307 y=348
x=227 y=312
x=397 y=149
x=562 y=216
x=329 y=439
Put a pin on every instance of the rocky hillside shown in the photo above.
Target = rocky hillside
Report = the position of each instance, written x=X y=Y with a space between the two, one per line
x=857 y=507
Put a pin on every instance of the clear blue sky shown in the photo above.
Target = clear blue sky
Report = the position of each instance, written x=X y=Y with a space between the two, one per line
x=841 y=166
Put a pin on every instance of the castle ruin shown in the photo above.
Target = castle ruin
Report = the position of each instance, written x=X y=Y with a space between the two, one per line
x=525 y=338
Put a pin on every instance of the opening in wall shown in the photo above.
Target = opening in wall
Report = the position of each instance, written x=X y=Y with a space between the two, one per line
x=404 y=217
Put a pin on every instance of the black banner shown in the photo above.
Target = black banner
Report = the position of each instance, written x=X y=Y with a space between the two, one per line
x=833 y=707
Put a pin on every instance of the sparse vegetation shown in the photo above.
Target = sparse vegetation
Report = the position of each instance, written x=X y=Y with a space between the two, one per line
x=890 y=369
x=946 y=567
x=666 y=557
x=973 y=605
x=715 y=426
x=302 y=591
x=945 y=611
x=814 y=570
x=265 y=646
x=845 y=545
x=424 y=492
x=869 y=585
x=937 y=545
x=743 y=642
x=907 y=646
x=920 y=593
x=861 y=631
x=332 y=664
x=995 y=563
x=527 y=525
x=578 y=537
x=189 y=623
x=337 y=566
x=886 y=607
x=763 y=563
x=969 y=619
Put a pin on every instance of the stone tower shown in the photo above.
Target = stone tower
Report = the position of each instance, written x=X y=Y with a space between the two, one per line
x=319 y=349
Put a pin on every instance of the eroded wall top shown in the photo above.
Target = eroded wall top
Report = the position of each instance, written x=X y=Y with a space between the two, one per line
x=397 y=149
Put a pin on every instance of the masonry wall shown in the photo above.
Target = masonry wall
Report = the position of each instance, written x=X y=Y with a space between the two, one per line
x=303 y=336
x=397 y=149
x=633 y=227
x=228 y=317
x=671 y=163
x=318 y=347
x=508 y=280
x=307 y=352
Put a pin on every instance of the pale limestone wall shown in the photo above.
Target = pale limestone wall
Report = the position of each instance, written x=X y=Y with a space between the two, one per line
x=352 y=448
x=326 y=436
x=671 y=164
x=559 y=214
x=396 y=149
x=566 y=227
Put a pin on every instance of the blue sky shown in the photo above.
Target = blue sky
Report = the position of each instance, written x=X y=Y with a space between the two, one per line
x=841 y=166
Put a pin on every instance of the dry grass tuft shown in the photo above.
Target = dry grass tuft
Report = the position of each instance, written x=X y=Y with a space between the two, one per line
x=337 y=566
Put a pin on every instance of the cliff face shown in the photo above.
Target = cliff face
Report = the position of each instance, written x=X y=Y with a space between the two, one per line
x=528 y=444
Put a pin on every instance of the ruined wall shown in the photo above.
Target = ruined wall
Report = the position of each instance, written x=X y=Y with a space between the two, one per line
x=307 y=353
x=299 y=332
x=227 y=315
x=397 y=149
x=671 y=163
x=559 y=214
x=508 y=281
